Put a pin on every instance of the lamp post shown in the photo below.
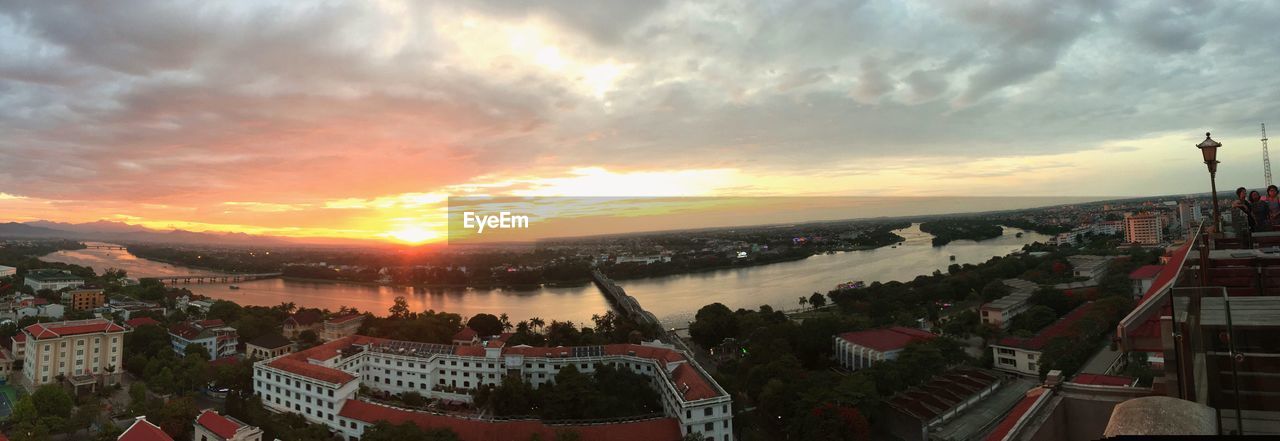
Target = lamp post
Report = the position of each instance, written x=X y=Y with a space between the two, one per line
x=1209 y=148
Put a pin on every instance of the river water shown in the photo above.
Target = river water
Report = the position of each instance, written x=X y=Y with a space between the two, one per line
x=673 y=299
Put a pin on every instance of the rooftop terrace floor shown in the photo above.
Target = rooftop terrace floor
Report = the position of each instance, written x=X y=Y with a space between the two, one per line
x=986 y=414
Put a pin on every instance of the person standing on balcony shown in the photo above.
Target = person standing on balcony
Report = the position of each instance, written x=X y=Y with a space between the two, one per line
x=1242 y=220
x=1261 y=212
x=1273 y=205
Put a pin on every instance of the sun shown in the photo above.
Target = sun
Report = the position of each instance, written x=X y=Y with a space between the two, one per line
x=412 y=235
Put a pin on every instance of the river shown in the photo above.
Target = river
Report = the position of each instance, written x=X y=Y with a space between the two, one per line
x=673 y=299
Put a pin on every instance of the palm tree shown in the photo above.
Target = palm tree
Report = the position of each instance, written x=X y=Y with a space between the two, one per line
x=803 y=301
x=506 y=322
x=522 y=327
x=288 y=307
x=537 y=323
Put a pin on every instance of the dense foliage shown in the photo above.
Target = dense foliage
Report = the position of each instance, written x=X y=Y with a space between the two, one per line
x=945 y=231
x=609 y=392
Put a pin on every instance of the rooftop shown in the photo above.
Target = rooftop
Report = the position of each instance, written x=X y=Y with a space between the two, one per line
x=1146 y=272
x=41 y=331
x=141 y=321
x=1062 y=327
x=887 y=339
x=271 y=341
x=52 y=275
x=1104 y=380
x=143 y=430
x=218 y=424
x=344 y=319
x=305 y=317
x=657 y=429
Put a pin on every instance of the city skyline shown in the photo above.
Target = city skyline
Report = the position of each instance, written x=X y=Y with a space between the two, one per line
x=360 y=120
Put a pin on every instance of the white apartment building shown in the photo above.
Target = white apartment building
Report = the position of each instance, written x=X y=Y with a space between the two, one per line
x=321 y=383
x=6 y=271
x=83 y=351
x=1143 y=228
x=344 y=326
x=1022 y=355
x=1000 y=311
x=51 y=280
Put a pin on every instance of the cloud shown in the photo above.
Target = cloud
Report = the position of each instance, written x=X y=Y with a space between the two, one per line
x=276 y=109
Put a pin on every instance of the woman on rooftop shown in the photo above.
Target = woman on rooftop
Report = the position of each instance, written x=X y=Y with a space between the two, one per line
x=1261 y=212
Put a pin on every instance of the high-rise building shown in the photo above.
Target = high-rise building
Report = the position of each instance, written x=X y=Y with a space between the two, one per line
x=85 y=352
x=1143 y=228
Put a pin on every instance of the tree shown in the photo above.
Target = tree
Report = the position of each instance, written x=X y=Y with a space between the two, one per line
x=803 y=301
x=52 y=400
x=1033 y=319
x=538 y=323
x=308 y=337
x=412 y=399
x=224 y=310
x=712 y=324
x=817 y=300
x=1052 y=298
x=993 y=290
x=485 y=324
x=399 y=308
x=138 y=398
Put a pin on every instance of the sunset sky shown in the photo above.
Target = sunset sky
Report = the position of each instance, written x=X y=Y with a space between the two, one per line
x=359 y=119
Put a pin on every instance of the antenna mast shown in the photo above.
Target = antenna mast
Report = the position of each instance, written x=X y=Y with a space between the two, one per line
x=1266 y=157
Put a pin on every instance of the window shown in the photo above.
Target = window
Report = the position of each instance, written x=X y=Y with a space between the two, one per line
x=1008 y=361
x=708 y=427
x=1005 y=351
x=708 y=411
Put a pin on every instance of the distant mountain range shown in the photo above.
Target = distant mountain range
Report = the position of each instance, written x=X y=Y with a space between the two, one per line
x=108 y=231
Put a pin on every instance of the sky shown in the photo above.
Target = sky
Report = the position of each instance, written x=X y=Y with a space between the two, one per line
x=359 y=119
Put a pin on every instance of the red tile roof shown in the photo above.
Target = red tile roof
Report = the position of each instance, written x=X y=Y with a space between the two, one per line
x=306 y=317
x=211 y=323
x=660 y=429
x=1104 y=380
x=141 y=321
x=143 y=430
x=1146 y=272
x=20 y=338
x=1006 y=425
x=217 y=424
x=42 y=331
x=465 y=334
x=1062 y=327
x=298 y=363
x=887 y=339
x=694 y=386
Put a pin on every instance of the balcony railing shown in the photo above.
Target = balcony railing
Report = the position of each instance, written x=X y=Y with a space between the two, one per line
x=1214 y=314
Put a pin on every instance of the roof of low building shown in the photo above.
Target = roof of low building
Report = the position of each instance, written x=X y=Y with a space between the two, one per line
x=466 y=334
x=1063 y=327
x=1002 y=430
x=143 y=430
x=52 y=275
x=218 y=424
x=1104 y=380
x=887 y=339
x=141 y=321
x=343 y=319
x=305 y=317
x=657 y=429
x=1146 y=272
x=271 y=341
x=41 y=331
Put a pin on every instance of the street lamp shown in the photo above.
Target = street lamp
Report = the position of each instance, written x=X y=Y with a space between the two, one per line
x=1209 y=148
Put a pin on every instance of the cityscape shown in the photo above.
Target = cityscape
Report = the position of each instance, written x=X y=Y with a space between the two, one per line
x=637 y=221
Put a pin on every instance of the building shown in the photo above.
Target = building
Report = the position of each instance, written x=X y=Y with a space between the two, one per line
x=136 y=323
x=857 y=350
x=302 y=321
x=6 y=271
x=1143 y=277
x=344 y=326
x=85 y=352
x=268 y=346
x=217 y=338
x=125 y=308
x=1079 y=409
x=39 y=308
x=1018 y=355
x=912 y=413
x=210 y=426
x=1000 y=311
x=466 y=337
x=51 y=279
x=1090 y=267
x=84 y=299
x=143 y=430
x=1143 y=228
x=320 y=384
x=19 y=346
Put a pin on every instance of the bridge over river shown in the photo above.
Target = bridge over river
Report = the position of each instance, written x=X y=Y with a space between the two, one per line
x=213 y=278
